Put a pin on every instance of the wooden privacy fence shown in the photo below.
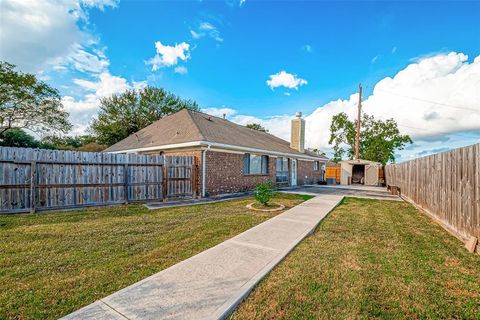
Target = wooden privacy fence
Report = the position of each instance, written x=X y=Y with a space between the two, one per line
x=33 y=180
x=333 y=173
x=446 y=185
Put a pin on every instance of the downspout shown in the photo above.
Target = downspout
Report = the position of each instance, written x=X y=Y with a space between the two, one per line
x=204 y=171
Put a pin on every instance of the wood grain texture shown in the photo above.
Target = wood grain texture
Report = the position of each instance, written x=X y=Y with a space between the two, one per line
x=446 y=185
x=35 y=180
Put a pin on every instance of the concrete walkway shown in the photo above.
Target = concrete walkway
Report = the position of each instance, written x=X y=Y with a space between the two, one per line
x=191 y=202
x=212 y=283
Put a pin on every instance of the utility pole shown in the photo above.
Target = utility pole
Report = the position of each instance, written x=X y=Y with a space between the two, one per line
x=357 y=140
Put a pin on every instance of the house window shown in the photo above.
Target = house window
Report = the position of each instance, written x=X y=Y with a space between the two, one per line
x=281 y=170
x=316 y=165
x=255 y=164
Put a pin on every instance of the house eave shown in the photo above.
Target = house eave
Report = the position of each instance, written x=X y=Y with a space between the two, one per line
x=219 y=147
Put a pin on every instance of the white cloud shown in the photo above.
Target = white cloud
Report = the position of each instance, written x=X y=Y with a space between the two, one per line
x=278 y=125
x=307 y=48
x=374 y=59
x=101 y=4
x=435 y=100
x=168 y=56
x=181 y=70
x=88 y=62
x=195 y=34
x=83 y=110
x=38 y=35
x=234 y=3
x=394 y=49
x=219 y=112
x=139 y=84
x=431 y=98
x=285 y=79
x=206 y=29
x=52 y=36
x=105 y=86
x=436 y=95
x=207 y=26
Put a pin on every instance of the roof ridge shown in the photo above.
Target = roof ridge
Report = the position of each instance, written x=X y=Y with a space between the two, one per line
x=276 y=140
x=189 y=112
x=244 y=126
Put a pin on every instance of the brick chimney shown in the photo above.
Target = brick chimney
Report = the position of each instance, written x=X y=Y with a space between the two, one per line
x=297 y=136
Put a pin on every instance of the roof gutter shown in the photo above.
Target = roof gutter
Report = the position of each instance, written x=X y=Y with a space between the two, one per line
x=168 y=146
x=270 y=152
x=220 y=146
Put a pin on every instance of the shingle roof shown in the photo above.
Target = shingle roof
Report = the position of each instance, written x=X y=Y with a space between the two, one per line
x=188 y=126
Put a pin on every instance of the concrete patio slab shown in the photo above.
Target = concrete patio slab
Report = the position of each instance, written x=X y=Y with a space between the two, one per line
x=211 y=284
x=367 y=192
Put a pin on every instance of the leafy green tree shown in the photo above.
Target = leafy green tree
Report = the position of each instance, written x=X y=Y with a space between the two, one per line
x=21 y=139
x=378 y=139
x=26 y=102
x=18 y=138
x=92 y=147
x=124 y=114
x=256 y=126
x=79 y=143
x=317 y=151
x=68 y=142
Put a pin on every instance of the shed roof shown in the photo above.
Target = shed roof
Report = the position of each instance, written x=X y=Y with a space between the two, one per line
x=360 y=161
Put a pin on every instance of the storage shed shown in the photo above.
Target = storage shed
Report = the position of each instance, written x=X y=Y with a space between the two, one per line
x=360 y=172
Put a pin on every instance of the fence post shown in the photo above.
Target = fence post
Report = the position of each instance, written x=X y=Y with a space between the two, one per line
x=125 y=178
x=33 y=175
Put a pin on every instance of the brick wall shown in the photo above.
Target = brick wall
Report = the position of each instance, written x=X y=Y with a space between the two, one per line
x=224 y=172
x=306 y=174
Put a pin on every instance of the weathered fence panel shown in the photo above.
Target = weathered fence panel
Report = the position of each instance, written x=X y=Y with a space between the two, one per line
x=35 y=179
x=446 y=185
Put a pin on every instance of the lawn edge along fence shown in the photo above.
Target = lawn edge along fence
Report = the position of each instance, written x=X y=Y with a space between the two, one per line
x=37 y=179
x=445 y=185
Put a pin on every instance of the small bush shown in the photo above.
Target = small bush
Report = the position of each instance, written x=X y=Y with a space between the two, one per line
x=264 y=192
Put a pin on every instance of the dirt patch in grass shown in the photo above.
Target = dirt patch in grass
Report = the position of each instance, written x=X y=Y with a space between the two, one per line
x=52 y=264
x=270 y=205
x=371 y=259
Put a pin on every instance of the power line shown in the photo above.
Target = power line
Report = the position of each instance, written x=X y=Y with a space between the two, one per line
x=429 y=130
x=410 y=127
x=433 y=102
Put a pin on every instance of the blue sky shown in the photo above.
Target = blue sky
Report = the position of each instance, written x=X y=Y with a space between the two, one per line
x=261 y=38
x=227 y=50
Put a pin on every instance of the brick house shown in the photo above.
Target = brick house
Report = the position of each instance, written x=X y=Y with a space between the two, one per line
x=230 y=157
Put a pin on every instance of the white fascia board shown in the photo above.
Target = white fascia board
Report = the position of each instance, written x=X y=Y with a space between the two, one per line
x=263 y=151
x=165 y=147
x=219 y=147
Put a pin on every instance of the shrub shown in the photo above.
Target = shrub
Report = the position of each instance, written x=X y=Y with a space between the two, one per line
x=264 y=192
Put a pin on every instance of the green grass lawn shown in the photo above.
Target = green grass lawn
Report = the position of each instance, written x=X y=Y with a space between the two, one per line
x=371 y=259
x=54 y=263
